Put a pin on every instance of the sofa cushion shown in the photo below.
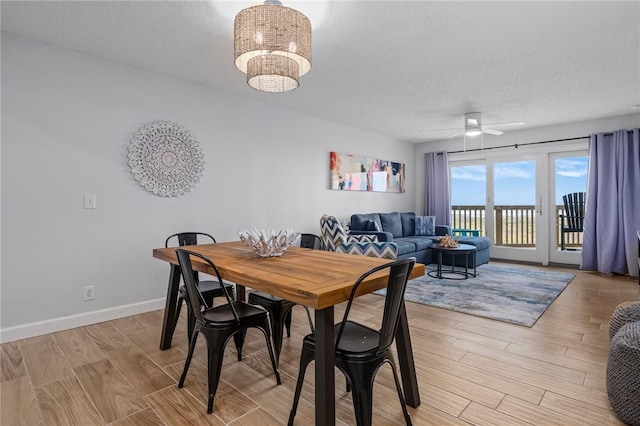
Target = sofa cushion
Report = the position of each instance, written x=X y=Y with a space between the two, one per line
x=480 y=243
x=359 y=221
x=405 y=246
x=425 y=225
x=421 y=243
x=372 y=225
x=391 y=223
x=408 y=224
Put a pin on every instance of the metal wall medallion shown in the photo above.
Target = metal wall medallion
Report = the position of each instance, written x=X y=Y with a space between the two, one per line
x=165 y=159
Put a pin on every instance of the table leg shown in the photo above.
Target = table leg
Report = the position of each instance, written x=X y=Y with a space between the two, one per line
x=440 y=264
x=466 y=265
x=325 y=376
x=169 y=320
x=405 y=359
x=475 y=273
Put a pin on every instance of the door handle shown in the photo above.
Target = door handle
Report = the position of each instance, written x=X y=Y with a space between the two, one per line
x=539 y=206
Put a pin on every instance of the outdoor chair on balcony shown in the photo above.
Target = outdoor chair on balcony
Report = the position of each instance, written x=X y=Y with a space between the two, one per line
x=573 y=217
x=465 y=232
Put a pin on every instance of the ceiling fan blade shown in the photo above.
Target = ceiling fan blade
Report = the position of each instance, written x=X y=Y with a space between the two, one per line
x=511 y=123
x=443 y=130
x=457 y=134
x=491 y=131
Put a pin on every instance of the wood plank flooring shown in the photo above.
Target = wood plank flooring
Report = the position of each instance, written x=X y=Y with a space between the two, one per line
x=471 y=370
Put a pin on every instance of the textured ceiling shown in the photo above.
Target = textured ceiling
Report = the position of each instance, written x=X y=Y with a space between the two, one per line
x=399 y=68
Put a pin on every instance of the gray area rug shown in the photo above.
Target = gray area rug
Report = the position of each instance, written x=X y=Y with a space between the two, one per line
x=515 y=295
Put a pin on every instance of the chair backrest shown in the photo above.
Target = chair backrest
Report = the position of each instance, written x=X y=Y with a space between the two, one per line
x=310 y=241
x=195 y=297
x=398 y=276
x=574 y=209
x=188 y=238
x=333 y=234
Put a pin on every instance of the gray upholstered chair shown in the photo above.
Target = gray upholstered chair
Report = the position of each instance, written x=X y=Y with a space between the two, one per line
x=623 y=365
x=623 y=314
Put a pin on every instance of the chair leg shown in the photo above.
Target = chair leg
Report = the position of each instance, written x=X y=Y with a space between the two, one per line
x=313 y=329
x=266 y=330
x=305 y=358
x=287 y=322
x=178 y=309
x=192 y=346
x=403 y=403
x=191 y=322
x=361 y=377
x=215 y=356
x=278 y=320
x=363 y=406
x=238 y=339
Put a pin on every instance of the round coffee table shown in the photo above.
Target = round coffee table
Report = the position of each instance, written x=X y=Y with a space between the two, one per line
x=466 y=250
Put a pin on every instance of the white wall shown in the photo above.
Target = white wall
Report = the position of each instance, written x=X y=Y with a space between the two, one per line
x=67 y=120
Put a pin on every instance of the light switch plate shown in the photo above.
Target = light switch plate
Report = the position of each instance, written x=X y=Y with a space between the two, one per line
x=89 y=201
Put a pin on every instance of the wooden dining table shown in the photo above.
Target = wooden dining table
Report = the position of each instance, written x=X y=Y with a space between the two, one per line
x=314 y=278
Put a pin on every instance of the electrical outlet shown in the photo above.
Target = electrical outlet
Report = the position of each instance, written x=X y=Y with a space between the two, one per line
x=89 y=292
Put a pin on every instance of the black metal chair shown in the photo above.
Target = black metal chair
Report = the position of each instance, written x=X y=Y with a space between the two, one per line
x=310 y=241
x=219 y=324
x=209 y=288
x=359 y=350
x=280 y=309
x=573 y=217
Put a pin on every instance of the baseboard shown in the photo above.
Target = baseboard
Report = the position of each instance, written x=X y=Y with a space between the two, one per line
x=25 y=331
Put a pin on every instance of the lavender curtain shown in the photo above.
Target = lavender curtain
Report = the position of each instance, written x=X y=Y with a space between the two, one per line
x=437 y=200
x=612 y=213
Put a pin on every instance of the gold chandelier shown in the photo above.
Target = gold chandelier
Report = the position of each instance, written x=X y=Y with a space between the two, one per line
x=272 y=45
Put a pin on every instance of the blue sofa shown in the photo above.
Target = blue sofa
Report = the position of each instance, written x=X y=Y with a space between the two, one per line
x=400 y=228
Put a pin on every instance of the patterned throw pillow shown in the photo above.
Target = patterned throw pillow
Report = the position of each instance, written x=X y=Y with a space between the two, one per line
x=425 y=225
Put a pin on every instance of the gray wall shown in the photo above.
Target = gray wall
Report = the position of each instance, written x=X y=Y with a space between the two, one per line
x=67 y=120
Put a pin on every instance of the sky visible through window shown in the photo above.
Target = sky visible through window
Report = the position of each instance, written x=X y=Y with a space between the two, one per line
x=515 y=182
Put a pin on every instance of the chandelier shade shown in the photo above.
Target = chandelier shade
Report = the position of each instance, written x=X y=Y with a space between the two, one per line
x=272 y=45
x=273 y=73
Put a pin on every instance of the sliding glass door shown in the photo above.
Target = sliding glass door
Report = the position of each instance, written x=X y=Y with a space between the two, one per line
x=515 y=213
x=568 y=172
x=497 y=199
x=515 y=199
x=468 y=198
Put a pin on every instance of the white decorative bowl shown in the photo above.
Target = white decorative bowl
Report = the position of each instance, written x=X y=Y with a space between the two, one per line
x=267 y=242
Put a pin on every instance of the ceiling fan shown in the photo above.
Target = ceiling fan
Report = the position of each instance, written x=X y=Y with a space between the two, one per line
x=473 y=126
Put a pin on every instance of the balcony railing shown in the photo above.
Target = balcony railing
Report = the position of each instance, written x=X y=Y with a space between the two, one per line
x=514 y=225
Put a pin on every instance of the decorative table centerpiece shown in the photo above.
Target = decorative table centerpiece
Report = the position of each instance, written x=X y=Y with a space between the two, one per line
x=448 y=242
x=268 y=242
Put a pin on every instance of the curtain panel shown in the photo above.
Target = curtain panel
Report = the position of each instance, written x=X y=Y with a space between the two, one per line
x=612 y=212
x=437 y=199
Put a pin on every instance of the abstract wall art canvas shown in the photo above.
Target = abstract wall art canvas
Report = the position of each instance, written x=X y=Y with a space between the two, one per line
x=358 y=173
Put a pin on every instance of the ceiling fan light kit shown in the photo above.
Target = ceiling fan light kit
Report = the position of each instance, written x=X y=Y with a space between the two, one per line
x=272 y=45
x=473 y=129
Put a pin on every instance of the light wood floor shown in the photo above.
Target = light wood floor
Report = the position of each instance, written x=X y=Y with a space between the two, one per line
x=470 y=370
